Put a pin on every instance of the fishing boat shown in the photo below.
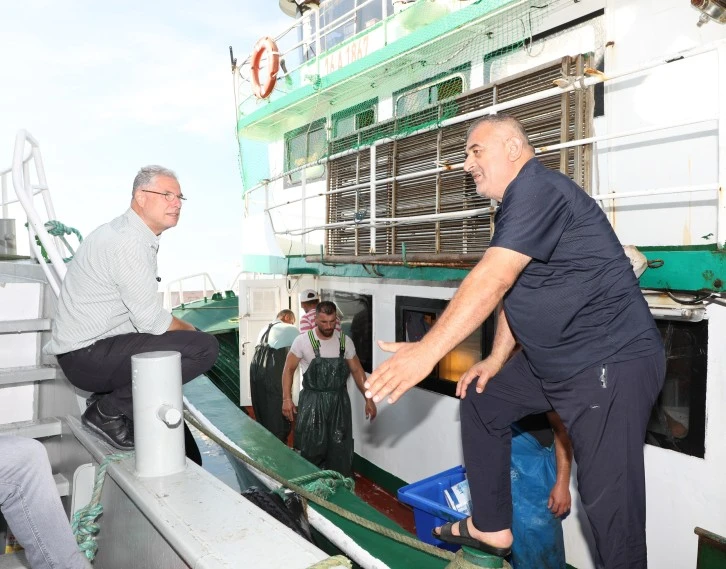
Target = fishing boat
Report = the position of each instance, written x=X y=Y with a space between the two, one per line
x=351 y=125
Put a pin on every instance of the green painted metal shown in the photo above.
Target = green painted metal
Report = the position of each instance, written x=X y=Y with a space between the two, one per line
x=685 y=268
x=711 y=550
x=265 y=448
x=214 y=315
x=219 y=316
x=696 y=268
x=420 y=37
x=481 y=559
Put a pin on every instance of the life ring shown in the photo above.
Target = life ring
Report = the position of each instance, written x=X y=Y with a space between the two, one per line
x=266 y=45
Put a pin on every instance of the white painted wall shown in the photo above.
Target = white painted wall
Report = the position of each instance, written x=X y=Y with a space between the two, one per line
x=18 y=302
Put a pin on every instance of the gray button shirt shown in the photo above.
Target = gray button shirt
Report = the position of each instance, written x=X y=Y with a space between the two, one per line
x=110 y=287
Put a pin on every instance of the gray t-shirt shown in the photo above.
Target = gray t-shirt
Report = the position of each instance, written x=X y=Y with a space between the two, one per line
x=329 y=348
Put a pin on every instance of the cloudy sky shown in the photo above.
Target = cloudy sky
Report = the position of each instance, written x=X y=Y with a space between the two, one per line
x=106 y=87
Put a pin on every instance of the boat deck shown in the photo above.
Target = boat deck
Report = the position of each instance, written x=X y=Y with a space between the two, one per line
x=265 y=448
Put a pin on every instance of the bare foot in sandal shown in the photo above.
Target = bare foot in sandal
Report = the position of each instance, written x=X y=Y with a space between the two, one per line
x=497 y=543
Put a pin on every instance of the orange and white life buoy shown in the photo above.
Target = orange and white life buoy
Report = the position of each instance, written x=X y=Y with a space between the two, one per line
x=263 y=88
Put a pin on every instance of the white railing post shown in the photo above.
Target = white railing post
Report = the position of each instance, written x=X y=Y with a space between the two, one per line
x=24 y=192
x=721 y=216
x=158 y=411
x=372 y=200
x=303 y=208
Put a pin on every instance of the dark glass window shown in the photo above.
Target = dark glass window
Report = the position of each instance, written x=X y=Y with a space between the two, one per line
x=356 y=320
x=678 y=419
x=416 y=316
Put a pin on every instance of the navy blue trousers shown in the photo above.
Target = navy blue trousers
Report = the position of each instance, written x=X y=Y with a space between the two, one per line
x=605 y=409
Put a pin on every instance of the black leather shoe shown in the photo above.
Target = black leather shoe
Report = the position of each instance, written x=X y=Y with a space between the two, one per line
x=116 y=430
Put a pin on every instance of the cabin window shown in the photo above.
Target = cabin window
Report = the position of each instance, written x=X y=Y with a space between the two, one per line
x=356 y=320
x=678 y=419
x=342 y=19
x=352 y=120
x=302 y=146
x=429 y=94
x=416 y=316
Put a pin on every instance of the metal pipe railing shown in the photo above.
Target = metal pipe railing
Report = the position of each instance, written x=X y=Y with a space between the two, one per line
x=24 y=192
x=534 y=97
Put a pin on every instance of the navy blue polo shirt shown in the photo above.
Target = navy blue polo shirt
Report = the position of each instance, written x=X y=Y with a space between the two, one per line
x=577 y=303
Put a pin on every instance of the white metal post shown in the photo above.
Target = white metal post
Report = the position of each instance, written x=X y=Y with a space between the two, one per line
x=721 y=218
x=303 y=209
x=372 y=215
x=158 y=406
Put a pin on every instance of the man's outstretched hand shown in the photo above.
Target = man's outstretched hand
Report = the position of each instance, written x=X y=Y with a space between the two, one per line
x=410 y=364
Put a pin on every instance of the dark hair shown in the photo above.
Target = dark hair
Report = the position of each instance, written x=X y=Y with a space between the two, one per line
x=326 y=307
x=501 y=119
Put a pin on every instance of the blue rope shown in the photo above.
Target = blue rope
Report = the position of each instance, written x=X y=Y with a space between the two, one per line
x=84 y=525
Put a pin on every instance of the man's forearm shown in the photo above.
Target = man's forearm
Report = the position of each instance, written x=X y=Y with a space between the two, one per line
x=477 y=297
x=287 y=384
x=504 y=341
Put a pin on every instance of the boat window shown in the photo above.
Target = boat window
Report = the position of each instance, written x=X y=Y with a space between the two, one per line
x=356 y=320
x=416 y=316
x=678 y=419
x=342 y=19
x=351 y=120
x=304 y=145
x=429 y=94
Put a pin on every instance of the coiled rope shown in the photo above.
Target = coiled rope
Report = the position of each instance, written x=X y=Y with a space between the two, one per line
x=58 y=229
x=84 y=525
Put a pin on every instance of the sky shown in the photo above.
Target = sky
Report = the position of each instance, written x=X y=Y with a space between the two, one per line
x=107 y=87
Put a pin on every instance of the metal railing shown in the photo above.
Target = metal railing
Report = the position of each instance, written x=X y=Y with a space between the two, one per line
x=719 y=118
x=178 y=284
x=24 y=164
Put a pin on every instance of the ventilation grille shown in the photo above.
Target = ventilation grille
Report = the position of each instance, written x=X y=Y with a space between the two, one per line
x=557 y=119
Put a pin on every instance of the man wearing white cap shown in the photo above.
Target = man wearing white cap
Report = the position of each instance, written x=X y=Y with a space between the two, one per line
x=309 y=300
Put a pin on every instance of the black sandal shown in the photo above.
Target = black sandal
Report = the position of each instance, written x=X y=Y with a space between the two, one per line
x=465 y=538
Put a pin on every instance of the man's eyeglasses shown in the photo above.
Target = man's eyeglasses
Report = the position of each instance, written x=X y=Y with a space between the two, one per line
x=168 y=195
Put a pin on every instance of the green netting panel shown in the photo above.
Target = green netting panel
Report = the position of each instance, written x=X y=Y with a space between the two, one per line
x=431 y=53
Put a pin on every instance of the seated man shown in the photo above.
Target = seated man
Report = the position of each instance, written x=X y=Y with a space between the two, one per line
x=323 y=431
x=30 y=504
x=110 y=309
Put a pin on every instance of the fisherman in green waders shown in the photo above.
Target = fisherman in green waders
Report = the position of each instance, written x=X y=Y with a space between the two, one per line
x=323 y=427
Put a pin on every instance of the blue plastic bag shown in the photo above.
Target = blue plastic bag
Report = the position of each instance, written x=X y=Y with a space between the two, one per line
x=538 y=539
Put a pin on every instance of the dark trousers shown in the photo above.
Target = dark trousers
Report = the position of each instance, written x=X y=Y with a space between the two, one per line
x=105 y=366
x=605 y=410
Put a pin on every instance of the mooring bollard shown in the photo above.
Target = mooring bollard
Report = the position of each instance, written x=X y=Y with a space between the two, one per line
x=158 y=428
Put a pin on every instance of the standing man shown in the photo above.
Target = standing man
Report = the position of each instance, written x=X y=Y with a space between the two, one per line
x=590 y=347
x=309 y=300
x=324 y=426
x=266 y=368
x=109 y=309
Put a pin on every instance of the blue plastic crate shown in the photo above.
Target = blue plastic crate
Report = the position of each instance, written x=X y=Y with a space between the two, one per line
x=429 y=504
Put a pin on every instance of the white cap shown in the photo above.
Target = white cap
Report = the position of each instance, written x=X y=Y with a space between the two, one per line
x=308 y=295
